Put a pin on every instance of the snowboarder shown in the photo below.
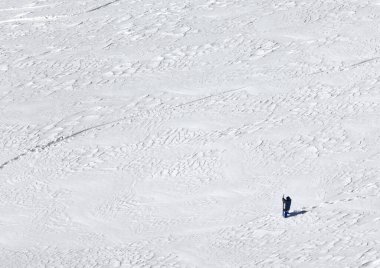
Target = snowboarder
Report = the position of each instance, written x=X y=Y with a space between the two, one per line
x=286 y=206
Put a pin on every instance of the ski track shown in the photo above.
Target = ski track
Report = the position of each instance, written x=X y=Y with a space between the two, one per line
x=163 y=134
x=103 y=6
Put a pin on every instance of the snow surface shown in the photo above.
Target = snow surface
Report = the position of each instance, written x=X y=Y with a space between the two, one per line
x=164 y=133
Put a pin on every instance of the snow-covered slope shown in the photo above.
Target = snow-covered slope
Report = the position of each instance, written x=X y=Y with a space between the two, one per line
x=164 y=133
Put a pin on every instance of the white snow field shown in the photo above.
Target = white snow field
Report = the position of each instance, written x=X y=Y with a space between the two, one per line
x=157 y=133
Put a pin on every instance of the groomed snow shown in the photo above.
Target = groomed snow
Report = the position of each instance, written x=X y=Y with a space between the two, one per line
x=164 y=133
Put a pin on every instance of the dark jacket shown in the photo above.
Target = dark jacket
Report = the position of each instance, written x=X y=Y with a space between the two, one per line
x=286 y=203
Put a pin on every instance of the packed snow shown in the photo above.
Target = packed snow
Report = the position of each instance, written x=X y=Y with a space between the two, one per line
x=157 y=133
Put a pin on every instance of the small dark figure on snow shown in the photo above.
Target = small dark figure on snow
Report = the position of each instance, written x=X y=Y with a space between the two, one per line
x=286 y=206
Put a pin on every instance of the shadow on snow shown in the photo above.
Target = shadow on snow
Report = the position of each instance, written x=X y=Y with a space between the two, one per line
x=296 y=212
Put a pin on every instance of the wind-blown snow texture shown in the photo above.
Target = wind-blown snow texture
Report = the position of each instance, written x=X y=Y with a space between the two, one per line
x=164 y=133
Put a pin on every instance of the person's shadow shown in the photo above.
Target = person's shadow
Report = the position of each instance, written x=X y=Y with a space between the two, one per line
x=296 y=212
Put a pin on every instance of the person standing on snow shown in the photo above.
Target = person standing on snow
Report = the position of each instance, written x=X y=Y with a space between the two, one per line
x=286 y=206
